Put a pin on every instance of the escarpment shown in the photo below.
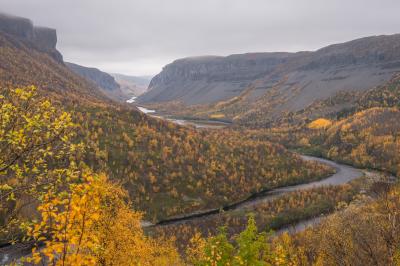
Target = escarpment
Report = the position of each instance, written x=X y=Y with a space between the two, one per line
x=41 y=38
x=267 y=86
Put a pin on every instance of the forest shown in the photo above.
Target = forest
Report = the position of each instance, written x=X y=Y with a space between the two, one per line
x=80 y=216
x=365 y=135
x=160 y=164
x=157 y=162
x=81 y=175
x=84 y=218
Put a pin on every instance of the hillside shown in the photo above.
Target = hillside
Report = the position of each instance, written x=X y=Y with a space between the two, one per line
x=23 y=64
x=266 y=86
x=208 y=79
x=368 y=134
x=358 y=129
x=106 y=83
x=137 y=150
x=26 y=47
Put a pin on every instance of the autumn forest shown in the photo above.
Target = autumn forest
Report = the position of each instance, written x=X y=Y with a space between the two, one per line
x=86 y=179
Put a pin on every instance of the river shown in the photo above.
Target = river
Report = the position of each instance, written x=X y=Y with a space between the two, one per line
x=344 y=174
x=210 y=124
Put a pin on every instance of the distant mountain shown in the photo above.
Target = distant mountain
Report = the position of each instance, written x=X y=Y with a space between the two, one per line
x=103 y=80
x=132 y=85
x=167 y=169
x=207 y=79
x=258 y=88
x=116 y=86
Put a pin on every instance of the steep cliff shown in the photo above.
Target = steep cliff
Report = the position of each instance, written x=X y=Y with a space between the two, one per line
x=264 y=86
x=22 y=63
x=210 y=78
x=41 y=38
x=35 y=47
x=103 y=80
x=350 y=67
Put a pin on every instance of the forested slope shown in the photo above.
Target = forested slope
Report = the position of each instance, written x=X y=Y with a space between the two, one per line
x=167 y=169
x=57 y=140
x=365 y=133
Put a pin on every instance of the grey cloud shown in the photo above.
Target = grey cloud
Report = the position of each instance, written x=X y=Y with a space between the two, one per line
x=139 y=37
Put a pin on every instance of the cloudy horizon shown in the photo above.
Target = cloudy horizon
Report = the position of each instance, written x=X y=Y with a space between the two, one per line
x=140 y=37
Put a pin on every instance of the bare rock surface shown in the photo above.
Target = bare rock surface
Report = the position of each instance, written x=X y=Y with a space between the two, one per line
x=42 y=38
x=298 y=78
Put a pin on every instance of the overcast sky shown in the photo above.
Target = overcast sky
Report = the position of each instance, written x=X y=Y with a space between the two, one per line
x=138 y=37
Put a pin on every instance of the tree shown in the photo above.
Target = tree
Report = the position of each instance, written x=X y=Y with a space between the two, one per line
x=248 y=248
x=91 y=224
x=320 y=123
x=252 y=246
x=36 y=152
x=217 y=252
x=82 y=219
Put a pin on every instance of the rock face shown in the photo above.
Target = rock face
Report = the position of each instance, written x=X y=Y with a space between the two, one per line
x=103 y=80
x=45 y=37
x=41 y=38
x=22 y=65
x=20 y=34
x=298 y=79
x=210 y=78
x=20 y=27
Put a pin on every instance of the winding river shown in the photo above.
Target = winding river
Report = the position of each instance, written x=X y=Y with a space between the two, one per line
x=210 y=124
x=344 y=174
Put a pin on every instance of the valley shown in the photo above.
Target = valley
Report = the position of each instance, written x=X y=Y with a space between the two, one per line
x=217 y=160
x=344 y=174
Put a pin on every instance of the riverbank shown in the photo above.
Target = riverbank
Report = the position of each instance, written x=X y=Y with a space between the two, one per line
x=184 y=121
x=344 y=174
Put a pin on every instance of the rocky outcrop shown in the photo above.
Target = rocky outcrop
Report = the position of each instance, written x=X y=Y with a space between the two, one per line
x=298 y=78
x=41 y=38
x=20 y=27
x=211 y=78
x=365 y=51
x=19 y=34
x=45 y=37
x=102 y=79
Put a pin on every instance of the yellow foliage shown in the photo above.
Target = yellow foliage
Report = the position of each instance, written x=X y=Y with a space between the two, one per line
x=217 y=115
x=92 y=225
x=195 y=249
x=320 y=123
x=35 y=150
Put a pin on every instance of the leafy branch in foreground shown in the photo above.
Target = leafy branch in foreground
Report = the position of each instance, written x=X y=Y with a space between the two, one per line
x=36 y=153
x=249 y=248
x=81 y=218
x=91 y=224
